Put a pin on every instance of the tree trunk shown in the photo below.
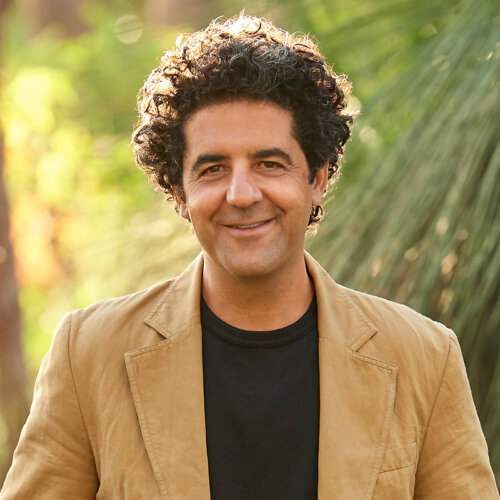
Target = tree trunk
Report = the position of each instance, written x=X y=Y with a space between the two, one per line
x=13 y=401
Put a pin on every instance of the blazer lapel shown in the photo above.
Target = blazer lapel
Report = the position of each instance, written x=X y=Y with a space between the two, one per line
x=356 y=395
x=166 y=380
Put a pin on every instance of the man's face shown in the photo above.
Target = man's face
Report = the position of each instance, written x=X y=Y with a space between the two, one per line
x=246 y=185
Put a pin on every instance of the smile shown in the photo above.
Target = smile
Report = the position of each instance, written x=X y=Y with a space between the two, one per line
x=253 y=229
x=250 y=226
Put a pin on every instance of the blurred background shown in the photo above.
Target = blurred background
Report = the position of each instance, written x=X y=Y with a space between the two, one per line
x=414 y=218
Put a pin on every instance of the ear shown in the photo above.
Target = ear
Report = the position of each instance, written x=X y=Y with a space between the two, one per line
x=319 y=184
x=179 y=197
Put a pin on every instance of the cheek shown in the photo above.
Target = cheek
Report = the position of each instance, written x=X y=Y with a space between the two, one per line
x=298 y=198
x=203 y=202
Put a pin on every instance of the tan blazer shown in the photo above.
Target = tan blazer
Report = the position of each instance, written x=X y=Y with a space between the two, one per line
x=118 y=410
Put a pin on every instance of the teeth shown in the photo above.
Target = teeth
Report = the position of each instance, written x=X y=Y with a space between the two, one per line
x=257 y=224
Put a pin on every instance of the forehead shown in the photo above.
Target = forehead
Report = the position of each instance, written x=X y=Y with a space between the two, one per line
x=239 y=127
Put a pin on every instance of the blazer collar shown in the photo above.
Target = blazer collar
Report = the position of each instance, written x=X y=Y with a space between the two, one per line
x=356 y=392
x=339 y=318
x=179 y=307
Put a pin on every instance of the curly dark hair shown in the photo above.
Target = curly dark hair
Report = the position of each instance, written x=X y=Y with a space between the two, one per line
x=242 y=58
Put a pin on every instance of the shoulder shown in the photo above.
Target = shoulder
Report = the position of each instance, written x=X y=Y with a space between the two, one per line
x=111 y=327
x=376 y=326
x=403 y=335
x=120 y=310
x=421 y=349
x=92 y=342
x=115 y=324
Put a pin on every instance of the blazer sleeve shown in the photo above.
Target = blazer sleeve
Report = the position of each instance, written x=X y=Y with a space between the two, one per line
x=53 y=459
x=454 y=459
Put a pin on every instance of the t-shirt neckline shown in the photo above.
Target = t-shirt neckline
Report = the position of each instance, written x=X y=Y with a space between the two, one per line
x=269 y=338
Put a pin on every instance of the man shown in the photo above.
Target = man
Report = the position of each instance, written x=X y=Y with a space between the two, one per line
x=253 y=375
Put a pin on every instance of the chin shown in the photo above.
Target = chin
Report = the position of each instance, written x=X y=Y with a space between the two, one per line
x=244 y=267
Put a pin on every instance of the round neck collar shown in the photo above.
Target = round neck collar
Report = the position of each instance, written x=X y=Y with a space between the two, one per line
x=269 y=338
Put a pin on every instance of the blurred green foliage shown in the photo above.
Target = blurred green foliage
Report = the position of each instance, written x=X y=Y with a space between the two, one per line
x=414 y=217
x=84 y=218
x=422 y=223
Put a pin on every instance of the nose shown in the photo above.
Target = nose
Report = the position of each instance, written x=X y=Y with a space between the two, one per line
x=243 y=190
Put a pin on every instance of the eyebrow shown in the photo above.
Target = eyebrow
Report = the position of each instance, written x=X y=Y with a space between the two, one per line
x=262 y=153
x=265 y=153
x=207 y=158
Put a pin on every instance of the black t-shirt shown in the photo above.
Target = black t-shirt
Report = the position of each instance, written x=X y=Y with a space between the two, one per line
x=261 y=409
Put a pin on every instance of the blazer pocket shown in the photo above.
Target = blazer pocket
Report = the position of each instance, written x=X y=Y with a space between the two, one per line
x=397 y=474
x=399 y=458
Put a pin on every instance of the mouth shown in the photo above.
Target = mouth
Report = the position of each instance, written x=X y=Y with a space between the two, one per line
x=249 y=226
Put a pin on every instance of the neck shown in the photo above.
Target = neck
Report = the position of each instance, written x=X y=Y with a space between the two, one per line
x=258 y=303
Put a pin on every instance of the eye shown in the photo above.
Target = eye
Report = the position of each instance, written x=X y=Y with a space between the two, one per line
x=272 y=165
x=212 y=169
